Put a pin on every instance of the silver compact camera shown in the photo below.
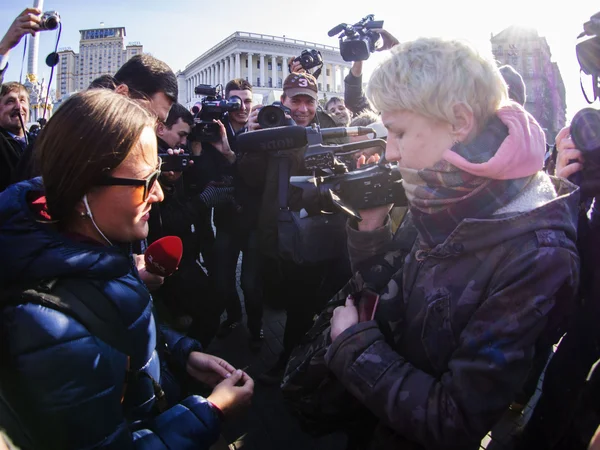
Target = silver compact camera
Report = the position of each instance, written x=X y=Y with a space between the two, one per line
x=50 y=20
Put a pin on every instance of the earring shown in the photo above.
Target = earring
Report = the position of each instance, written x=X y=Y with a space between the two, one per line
x=84 y=214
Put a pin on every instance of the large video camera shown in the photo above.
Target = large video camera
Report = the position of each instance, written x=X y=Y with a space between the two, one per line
x=332 y=185
x=585 y=126
x=358 y=41
x=213 y=108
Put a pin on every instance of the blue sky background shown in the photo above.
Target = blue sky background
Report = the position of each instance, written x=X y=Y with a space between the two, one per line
x=178 y=31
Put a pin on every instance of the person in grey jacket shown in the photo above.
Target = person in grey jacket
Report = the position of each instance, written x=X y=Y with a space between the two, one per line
x=494 y=267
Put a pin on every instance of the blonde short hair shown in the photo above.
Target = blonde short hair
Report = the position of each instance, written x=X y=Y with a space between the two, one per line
x=429 y=76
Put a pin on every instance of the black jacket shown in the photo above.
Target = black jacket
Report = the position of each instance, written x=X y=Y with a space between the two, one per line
x=354 y=95
x=10 y=154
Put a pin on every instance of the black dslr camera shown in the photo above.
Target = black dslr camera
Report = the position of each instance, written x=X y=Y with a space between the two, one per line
x=358 y=41
x=310 y=59
x=272 y=116
x=585 y=126
x=49 y=20
x=213 y=108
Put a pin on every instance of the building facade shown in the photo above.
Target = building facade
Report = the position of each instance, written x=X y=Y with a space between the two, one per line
x=101 y=51
x=528 y=53
x=263 y=61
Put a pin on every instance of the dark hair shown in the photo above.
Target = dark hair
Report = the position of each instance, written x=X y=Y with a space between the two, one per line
x=365 y=119
x=12 y=86
x=146 y=75
x=88 y=136
x=104 y=82
x=178 y=111
x=332 y=100
x=237 y=84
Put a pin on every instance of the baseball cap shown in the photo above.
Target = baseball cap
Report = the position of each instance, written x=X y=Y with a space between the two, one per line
x=300 y=84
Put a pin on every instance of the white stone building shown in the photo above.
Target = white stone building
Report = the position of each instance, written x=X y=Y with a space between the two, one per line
x=101 y=51
x=261 y=59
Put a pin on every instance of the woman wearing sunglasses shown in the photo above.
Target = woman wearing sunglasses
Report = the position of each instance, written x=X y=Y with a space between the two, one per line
x=70 y=388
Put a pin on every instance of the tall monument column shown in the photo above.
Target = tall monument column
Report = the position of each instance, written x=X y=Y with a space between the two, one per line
x=34 y=42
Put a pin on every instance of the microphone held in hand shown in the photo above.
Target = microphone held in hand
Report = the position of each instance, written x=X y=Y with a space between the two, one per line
x=162 y=257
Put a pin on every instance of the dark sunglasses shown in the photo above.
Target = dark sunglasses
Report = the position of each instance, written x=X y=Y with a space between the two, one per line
x=147 y=182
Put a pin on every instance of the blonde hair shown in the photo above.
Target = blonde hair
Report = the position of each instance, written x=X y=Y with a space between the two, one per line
x=429 y=76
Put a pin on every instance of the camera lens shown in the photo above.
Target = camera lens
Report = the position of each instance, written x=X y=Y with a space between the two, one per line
x=585 y=129
x=271 y=116
x=51 y=23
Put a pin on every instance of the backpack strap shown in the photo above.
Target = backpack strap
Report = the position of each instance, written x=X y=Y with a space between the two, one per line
x=89 y=307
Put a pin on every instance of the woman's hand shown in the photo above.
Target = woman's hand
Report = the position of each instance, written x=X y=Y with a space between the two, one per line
x=233 y=393
x=343 y=318
x=223 y=145
x=152 y=281
x=208 y=369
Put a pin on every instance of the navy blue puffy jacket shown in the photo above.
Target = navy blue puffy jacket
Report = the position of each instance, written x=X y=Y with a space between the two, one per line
x=66 y=384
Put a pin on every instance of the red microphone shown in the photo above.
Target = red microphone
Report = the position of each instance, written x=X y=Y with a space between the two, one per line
x=162 y=257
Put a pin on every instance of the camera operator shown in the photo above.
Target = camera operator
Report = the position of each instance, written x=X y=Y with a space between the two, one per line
x=190 y=291
x=456 y=325
x=236 y=232
x=306 y=287
x=354 y=96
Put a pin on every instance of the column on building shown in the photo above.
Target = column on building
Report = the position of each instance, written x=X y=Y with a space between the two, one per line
x=213 y=74
x=238 y=64
x=335 y=78
x=223 y=76
x=274 y=70
x=344 y=73
x=250 y=62
x=262 y=70
x=228 y=68
x=284 y=68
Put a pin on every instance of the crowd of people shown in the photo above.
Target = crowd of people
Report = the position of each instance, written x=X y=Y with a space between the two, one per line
x=99 y=351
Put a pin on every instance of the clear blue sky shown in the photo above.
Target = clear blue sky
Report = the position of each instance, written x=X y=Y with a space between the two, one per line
x=178 y=31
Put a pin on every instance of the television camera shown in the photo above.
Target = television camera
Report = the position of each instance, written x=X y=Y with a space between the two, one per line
x=331 y=185
x=214 y=107
x=358 y=41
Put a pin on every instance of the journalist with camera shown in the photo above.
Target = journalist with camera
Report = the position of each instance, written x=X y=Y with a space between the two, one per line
x=236 y=232
x=450 y=309
x=186 y=300
x=568 y=411
x=307 y=286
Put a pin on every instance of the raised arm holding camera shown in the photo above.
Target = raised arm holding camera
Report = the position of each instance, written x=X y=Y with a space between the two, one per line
x=455 y=325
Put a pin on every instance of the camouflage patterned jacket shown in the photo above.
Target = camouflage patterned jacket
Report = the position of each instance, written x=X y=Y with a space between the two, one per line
x=461 y=323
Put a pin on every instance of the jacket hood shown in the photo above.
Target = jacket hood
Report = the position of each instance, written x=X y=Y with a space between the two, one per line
x=32 y=249
x=558 y=214
x=520 y=155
